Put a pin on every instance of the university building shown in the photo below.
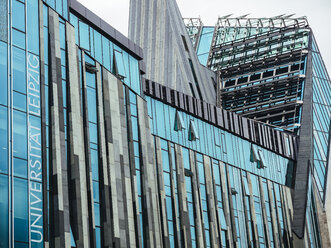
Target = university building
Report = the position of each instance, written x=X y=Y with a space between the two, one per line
x=182 y=135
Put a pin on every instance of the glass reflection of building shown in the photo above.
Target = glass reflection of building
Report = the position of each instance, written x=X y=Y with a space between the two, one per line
x=94 y=153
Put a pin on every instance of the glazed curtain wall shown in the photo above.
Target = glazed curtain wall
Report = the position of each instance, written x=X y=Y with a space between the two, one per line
x=216 y=143
x=321 y=118
x=107 y=53
x=21 y=200
x=220 y=205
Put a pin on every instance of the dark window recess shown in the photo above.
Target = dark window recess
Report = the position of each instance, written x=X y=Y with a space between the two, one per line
x=249 y=129
x=184 y=42
x=281 y=70
x=255 y=77
x=195 y=79
x=191 y=86
x=295 y=67
x=268 y=74
x=257 y=134
x=242 y=80
x=302 y=66
x=229 y=83
x=164 y=93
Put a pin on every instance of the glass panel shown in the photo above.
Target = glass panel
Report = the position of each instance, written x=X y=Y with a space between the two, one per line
x=93 y=133
x=98 y=237
x=20 y=134
x=97 y=214
x=120 y=63
x=19 y=71
x=20 y=168
x=84 y=35
x=4 y=211
x=20 y=210
x=32 y=24
x=18 y=38
x=72 y=240
x=19 y=101
x=94 y=163
x=3 y=140
x=97 y=46
x=91 y=102
x=19 y=15
x=3 y=73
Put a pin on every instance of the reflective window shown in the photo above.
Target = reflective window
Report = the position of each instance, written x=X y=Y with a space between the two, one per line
x=3 y=140
x=21 y=210
x=120 y=63
x=84 y=35
x=92 y=108
x=19 y=101
x=20 y=134
x=20 y=168
x=19 y=70
x=3 y=73
x=4 y=211
x=32 y=23
x=18 y=19
x=18 y=38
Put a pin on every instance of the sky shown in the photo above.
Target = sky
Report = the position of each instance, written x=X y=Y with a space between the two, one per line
x=318 y=12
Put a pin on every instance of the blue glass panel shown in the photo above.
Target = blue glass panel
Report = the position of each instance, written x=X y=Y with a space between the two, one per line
x=59 y=7
x=32 y=26
x=95 y=164
x=169 y=208
x=90 y=79
x=21 y=213
x=65 y=8
x=74 y=22
x=127 y=80
x=51 y=3
x=3 y=140
x=120 y=63
x=19 y=101
x=18 y=38
x=93 y=133
x=19 y=70
x=20 y=168
x=96 y=191
x=18 y=9
x=20 y=134
x=98 y=237
x=4 y=211
x=97 y=46
x=84 y=35
x=134 y=74
x=91 y=102
x=3 y=73
x=97 y=214
x=105 y=53
x=134 y=128
x=21 y=245
x=72 y=240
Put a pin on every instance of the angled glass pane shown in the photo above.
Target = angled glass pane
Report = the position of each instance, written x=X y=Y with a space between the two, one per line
x=120 y=63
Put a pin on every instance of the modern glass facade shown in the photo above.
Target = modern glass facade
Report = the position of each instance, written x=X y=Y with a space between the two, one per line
x=92 y=154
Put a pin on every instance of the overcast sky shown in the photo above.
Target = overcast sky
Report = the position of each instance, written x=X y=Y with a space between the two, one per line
x=116 y=13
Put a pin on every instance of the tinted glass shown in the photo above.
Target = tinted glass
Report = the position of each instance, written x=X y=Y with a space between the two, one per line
x=19 y=75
